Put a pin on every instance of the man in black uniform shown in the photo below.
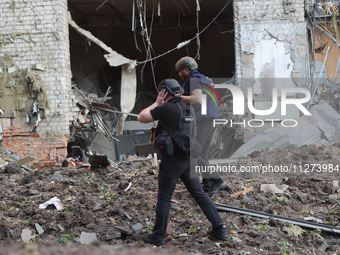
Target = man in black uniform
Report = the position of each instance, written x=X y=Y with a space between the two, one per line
x=175 y=166
x=194 y=86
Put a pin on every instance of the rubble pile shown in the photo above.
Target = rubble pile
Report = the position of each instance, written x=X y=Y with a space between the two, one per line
x=109 y=209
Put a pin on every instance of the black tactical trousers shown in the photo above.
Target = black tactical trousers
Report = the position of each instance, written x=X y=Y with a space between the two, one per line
x=171 y=169
x=204 y=135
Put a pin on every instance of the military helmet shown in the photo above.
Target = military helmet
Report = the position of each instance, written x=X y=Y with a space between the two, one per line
x=171 y=86
x=186 y=61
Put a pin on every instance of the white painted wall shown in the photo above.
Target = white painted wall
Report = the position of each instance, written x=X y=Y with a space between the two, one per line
x=271 y=60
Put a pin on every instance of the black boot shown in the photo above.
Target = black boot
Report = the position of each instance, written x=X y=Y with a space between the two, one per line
x=151 y=239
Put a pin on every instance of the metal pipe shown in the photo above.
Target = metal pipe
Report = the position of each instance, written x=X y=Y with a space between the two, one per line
x=317 y=84
x=264 y=215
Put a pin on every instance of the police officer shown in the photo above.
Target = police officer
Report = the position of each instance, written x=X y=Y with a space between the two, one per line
x=194 y=86
x=175 y=166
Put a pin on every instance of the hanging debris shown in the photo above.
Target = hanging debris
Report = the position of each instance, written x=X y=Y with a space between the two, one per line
x=89 y=119
x=324 y=31
x=129 y=80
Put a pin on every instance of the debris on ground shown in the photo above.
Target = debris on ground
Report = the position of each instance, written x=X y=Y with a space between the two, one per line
x=114 y=206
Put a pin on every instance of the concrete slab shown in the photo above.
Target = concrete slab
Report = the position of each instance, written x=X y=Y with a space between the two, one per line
x=39 y=228
x=26 y=235
x=87 y=238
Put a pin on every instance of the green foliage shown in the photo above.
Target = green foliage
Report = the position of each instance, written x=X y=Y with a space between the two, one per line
x=333 y=199
x=261 y=228
x=134 y=192
x=33 y=237
x=315 y=232
x=111 y=198
x=66 y=209
x=88 y=177
x=334 y=212
x=307 y=213
x=280 y=198
x=102 y=190
x=288 y=253
x=251 y=180
x=284 y=243
x=191 y=230
x=67 y=238
x=26 y=200
x=12 y=5
x=190 y=215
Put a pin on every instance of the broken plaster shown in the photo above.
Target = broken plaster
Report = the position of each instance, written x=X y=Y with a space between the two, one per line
x=18 y=90
x=264 y=43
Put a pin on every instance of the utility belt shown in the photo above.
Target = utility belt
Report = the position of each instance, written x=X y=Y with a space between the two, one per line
x=187 y=144
x=166 y=139
x=161 y=140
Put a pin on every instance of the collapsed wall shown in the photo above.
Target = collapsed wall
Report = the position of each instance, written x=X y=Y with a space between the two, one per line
x=35 y=79
x=272 y=51
x=271 y=39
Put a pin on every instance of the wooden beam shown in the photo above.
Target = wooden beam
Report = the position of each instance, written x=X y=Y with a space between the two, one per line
x=242 y=192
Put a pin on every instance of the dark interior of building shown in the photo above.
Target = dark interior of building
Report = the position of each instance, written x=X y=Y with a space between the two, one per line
x=128 y=27
x=147 y=31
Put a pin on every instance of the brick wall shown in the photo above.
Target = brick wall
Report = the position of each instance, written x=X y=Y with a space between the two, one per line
x=47 y=149
x=36 y=32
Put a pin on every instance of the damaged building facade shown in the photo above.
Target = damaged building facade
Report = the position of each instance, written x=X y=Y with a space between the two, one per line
x=60 y=59
x=289 y=45
x=34 y=44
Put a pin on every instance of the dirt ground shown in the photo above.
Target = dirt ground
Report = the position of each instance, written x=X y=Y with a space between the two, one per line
x=116 y=206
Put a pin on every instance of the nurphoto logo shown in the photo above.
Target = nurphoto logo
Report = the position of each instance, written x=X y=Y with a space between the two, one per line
x=239 y=105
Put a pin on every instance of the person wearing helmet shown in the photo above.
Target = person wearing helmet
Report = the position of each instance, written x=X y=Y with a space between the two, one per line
x=194 y=86
x=176 y=166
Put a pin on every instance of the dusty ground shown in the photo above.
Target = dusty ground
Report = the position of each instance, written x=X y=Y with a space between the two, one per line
x=102 y=202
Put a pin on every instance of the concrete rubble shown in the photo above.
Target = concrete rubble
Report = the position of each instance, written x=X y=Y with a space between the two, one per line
x=98 y=201
x=87 y=238
x=39 y=229
x=99 y=209
x=26 y=235
x=322 y=128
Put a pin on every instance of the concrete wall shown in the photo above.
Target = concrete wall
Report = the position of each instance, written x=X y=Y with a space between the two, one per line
x=36 y=32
